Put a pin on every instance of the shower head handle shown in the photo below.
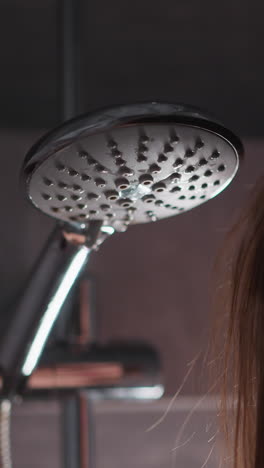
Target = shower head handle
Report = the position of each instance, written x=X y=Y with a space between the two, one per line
x=41 y=300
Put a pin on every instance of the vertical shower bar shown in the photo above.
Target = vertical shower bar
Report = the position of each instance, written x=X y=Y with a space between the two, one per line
x=68 y=57
x=76 y=411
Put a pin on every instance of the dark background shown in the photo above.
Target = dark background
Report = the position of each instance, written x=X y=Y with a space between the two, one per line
x=204 y=53
x=153 y=282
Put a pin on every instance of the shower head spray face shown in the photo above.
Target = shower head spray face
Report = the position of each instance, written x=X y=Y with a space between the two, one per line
x=130 y=164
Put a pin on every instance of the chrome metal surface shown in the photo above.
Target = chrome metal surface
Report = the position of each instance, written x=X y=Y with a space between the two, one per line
x=38 y=307
x=130 y=167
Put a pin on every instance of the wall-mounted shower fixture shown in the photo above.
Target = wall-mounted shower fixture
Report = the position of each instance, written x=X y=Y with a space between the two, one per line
x=95 y=175
x=98 y=174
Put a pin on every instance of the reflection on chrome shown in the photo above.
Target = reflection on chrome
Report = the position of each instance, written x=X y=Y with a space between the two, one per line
x=153 y=392
x=53 y=309
x=107 y=230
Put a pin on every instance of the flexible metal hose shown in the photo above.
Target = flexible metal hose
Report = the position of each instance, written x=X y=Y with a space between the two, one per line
x=5 y=439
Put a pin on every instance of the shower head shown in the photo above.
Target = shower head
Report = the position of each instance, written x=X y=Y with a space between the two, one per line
x=97 y=174
x=130 y=164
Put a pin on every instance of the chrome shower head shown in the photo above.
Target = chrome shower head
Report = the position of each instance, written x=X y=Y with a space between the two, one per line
x=131 y=164
x=97 y=174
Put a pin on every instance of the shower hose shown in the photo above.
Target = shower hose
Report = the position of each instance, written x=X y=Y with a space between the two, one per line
x=5 y=440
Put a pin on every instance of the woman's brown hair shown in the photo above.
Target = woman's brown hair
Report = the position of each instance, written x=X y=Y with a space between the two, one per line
x=242 y=308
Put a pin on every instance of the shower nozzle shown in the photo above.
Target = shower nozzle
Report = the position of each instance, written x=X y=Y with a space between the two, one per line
x=131 y=164
x=98 y=174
